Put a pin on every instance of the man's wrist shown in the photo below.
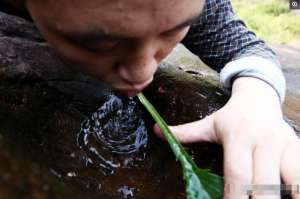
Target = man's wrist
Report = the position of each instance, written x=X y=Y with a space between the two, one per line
x=255 y=89
x=257 y=67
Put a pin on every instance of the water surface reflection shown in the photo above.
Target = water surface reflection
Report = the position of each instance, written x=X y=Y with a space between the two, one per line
x=114 y=136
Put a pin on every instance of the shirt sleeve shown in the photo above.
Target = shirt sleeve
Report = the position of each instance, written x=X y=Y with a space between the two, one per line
x=225 y=44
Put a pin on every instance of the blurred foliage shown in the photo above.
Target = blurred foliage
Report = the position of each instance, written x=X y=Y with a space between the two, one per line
x=271 y=20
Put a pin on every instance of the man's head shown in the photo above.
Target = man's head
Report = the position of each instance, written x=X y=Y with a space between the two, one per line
x=118 y=41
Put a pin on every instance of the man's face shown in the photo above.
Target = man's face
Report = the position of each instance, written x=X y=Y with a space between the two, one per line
x=120 y=42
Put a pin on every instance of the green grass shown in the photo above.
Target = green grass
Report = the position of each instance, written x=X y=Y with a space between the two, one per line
x=271 y=20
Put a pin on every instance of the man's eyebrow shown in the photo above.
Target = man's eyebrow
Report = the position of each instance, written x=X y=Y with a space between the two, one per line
x=98 y=35
x=91 y=37
x=187 y=22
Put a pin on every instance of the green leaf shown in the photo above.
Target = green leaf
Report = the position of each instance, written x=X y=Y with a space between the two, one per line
x=200 y=183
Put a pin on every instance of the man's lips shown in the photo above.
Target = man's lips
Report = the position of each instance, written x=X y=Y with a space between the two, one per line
x=131 y=91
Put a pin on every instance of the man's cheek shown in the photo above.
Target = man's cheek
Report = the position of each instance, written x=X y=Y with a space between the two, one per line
x=91 y=65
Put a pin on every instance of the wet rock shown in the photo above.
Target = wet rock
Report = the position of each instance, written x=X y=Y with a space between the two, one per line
x=291 y=109
x=17 y=27
x=25 y=58
x=190 y=63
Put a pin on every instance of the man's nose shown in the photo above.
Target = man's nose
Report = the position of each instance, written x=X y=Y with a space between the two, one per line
x=139 y=65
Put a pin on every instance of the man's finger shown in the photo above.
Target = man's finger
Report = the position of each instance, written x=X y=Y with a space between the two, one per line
x=237 y=170
x=266 y=172
x=290 y=167
x=201 y=130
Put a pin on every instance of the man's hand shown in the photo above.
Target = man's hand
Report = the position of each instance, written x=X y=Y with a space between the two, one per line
x=259 y=146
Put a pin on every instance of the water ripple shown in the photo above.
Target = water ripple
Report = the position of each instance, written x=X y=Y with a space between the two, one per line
x=114 y=136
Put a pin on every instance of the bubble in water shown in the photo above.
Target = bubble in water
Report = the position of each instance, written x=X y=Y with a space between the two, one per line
x=126 y=192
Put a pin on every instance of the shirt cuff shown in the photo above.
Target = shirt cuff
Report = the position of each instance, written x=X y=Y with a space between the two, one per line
x=254 y=66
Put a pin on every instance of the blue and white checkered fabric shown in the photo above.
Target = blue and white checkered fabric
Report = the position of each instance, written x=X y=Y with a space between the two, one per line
x=218 y=37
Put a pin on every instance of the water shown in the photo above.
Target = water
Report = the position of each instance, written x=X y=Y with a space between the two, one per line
x=114 y=136
x=51 y=149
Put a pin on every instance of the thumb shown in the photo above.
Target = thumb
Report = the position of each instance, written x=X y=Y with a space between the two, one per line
x=201 y=130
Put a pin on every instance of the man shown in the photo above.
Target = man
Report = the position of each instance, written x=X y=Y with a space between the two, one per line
x=121 y=42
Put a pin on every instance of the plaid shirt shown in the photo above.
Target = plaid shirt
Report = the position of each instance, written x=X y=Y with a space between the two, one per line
x=225 y=44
